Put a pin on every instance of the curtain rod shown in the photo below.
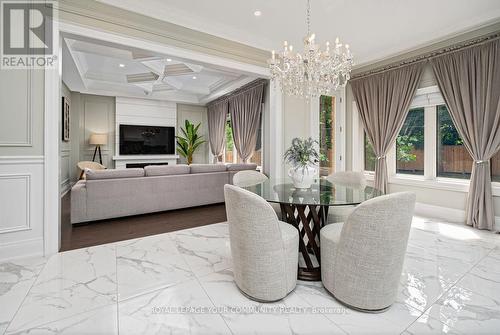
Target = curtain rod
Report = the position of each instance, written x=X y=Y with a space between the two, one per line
x=238 y=91
x=430 y=55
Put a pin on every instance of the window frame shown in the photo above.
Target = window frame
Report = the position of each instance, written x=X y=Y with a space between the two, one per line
x=428 y=98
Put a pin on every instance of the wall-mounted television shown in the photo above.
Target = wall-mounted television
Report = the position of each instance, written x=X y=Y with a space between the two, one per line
x=146 y=140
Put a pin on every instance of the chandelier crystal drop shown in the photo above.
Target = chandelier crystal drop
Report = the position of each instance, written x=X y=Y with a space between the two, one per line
x=314 y=72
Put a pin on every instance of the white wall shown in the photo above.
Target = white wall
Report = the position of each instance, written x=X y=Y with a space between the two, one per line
x=296 y=122
x=195 y=114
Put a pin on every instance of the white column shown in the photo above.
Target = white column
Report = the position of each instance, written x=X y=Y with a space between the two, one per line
x=276 y=131
x=430 y=142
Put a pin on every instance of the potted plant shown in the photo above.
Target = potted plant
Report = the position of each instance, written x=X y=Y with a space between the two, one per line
x=187 y=144
x=303 y=156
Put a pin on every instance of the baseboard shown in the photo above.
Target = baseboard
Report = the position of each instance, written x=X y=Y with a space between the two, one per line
x=446 y=214
x=66 y=187
x=21 y=249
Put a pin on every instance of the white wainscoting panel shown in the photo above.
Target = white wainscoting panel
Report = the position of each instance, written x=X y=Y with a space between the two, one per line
x=15 y=123
x=65 y=175
x=21 y=206
x=14 y=202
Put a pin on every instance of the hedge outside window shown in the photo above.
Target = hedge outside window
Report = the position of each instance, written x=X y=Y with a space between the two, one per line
x=453 y=159
x=370 y=156
x=410 y=144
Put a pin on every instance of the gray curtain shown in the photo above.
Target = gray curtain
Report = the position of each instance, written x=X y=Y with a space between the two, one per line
x=217 y=114
x=383 y=101
x=470 y=83
x=245 y=109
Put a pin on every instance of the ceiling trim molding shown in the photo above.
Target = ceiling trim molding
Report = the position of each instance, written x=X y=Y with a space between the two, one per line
x=431 y=55
x=98 y=15
x=486 y=30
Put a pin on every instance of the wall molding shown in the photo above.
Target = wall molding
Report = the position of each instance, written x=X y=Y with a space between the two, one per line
x=29 y=115
x=27 y=178
x=446 y=214
x=16 y=160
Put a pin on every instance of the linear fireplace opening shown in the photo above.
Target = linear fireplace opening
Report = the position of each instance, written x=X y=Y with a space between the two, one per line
x=142 y=165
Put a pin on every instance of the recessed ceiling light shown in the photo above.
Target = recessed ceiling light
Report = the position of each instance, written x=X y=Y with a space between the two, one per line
x=194 y=77
x=169 y=59
x=257 y=13
x=122 y=65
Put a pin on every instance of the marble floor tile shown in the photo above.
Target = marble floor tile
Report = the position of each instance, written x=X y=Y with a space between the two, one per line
x=101 y=321
x=182 y=283
x=427 y=276
x=292 y=315
x=468 y=312
x=429 y=326
x=147 y=264
x=393 y=321
x=16 y=278
x=71 y=283
x=204 y=249
x=180 y=309
x=484 y=278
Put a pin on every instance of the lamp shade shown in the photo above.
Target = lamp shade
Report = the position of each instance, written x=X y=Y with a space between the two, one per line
x=98 y=139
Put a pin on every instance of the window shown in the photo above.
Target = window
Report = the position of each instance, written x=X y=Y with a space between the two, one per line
x=495 y=167
x=370 y=157
x=326 y=135
x=229 y=153
x=453 y=159
x=410 y=144
x=427 y=150
x=257 y=154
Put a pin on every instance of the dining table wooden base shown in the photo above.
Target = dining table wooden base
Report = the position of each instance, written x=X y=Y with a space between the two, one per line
x=308 y=219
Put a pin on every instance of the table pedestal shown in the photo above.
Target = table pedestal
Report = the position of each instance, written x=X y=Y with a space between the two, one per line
x=308 y=219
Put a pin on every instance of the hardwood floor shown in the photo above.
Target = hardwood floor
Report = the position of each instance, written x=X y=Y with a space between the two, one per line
x=106 y=231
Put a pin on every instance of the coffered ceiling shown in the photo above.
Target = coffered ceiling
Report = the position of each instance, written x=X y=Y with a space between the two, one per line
x=95 y=67
x=375 y=29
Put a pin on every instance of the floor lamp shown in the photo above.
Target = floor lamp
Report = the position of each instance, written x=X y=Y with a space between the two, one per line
x=98 y=140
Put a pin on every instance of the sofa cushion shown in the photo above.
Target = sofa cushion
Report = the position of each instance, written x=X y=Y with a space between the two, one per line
x=113 y=173
x=166 y=170
x=204 y=168
x=241 y=166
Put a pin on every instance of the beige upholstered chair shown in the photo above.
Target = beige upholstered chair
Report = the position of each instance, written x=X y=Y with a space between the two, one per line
x=350 y=178
x=264 y=249
x=251 y=177
x=248 y=178
x=362 y=259
x=89 y=165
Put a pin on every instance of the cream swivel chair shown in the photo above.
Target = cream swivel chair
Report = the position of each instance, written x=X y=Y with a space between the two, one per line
x=264 y=249
x=247 y=178
x=349 y=178
x=89 y=165
x=362 y=259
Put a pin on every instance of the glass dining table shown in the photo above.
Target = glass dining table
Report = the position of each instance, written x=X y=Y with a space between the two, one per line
x=307 y=210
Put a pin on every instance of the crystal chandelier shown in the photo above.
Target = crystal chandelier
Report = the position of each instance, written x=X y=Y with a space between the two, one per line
x=315 y=72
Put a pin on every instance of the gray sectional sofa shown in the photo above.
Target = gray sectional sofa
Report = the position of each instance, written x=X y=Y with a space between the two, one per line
x=109 y=194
